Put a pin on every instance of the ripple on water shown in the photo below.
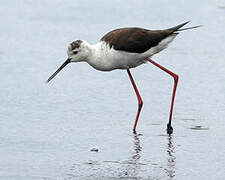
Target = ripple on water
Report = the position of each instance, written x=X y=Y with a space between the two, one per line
x=199 y=128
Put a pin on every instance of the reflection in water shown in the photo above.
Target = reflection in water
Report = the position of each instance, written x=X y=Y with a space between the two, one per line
x=110 y=169
x=133 y=167
x=170 y=170
x=137 y=148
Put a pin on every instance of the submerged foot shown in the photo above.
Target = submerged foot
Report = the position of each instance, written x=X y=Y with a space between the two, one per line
x=169 y=129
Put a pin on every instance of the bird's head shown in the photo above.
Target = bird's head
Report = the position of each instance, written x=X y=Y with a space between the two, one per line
x=77 y=51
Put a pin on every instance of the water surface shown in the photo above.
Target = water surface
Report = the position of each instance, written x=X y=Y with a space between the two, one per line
x=47 y=131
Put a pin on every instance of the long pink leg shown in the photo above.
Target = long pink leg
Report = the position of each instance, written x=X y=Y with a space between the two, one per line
x=175 y=77
x=140 y=102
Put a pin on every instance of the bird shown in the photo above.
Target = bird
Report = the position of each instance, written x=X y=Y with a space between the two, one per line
x=123 y=49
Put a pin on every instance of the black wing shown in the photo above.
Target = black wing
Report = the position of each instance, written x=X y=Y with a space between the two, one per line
x=137 y=40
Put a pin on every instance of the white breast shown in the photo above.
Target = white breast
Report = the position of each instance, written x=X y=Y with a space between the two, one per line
x=105 y=58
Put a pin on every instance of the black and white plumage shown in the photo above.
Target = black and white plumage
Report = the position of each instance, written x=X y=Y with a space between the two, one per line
x=125 y=48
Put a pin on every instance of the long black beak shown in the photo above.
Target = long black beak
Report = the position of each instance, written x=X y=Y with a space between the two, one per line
x=58 y=70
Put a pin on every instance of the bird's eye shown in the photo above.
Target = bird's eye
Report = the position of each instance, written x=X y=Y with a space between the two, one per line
x=75 y=52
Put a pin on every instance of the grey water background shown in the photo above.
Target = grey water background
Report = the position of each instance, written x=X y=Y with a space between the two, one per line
x=47 y=131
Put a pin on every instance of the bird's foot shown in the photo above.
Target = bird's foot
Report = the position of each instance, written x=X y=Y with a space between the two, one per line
x=169 y=129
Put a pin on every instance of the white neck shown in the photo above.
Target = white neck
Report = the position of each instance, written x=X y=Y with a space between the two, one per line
x=99 y=56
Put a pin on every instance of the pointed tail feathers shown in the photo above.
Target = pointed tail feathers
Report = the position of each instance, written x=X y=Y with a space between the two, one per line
x=178 y=27
x=183 y=29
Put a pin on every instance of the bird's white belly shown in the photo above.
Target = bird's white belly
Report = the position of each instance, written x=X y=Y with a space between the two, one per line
x=113 y=59
x=124 y=60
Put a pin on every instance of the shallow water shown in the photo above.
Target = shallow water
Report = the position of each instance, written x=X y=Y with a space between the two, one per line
x=47 y=132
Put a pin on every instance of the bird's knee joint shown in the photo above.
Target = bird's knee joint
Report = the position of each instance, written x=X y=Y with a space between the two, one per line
x=176 y=77
x=140 y=104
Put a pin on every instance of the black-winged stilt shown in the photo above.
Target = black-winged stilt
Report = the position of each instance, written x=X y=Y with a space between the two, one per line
x=126 y=48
